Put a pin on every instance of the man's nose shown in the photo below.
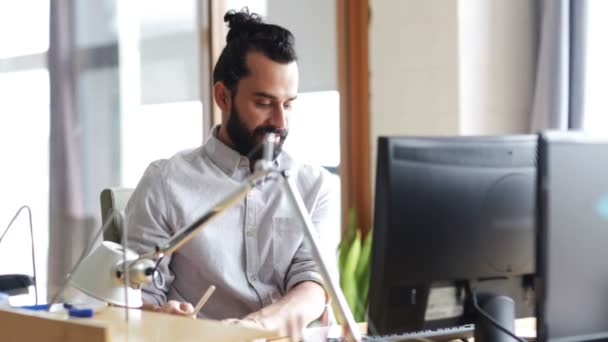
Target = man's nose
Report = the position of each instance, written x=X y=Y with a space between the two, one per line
x=278 y=118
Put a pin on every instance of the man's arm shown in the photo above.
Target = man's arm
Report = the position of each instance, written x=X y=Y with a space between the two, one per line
x=303 y=304
x=147 y=224
x=147 y=220
x=305 y=298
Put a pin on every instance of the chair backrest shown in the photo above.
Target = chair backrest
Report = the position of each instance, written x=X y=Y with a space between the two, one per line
x=114 y=200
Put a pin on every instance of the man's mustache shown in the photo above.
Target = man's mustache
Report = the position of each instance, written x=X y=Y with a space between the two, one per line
x=263 y=130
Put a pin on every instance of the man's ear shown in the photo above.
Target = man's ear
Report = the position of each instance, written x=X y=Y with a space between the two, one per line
x=221 y=94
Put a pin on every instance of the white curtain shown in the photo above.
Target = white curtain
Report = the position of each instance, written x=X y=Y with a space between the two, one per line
x=73 y=218
x=559 y=89
x=67 y=223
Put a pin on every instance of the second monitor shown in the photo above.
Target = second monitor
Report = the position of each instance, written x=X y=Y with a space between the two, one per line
x=451 y=213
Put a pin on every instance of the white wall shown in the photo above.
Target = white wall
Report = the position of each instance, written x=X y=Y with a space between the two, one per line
x=449 y=67
x=414 y=68
x=497 y=65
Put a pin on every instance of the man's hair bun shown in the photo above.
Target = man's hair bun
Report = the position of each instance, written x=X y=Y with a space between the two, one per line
x=248 y=32
x=241 y=23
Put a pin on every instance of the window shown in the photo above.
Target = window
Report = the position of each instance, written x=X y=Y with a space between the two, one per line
x=24 y=141
x=164 y=114
x=24 y=137
x=596 y=69
x=24 y=27
x=158 y=131
x=314 y=129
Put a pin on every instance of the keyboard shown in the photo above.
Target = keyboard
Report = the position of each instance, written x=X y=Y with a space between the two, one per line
x=446 y=334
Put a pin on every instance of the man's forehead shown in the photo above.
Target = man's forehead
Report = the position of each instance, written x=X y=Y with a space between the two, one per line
x=271 y=77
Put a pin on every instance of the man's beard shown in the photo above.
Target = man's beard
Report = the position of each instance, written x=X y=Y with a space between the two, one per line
x=249 y=144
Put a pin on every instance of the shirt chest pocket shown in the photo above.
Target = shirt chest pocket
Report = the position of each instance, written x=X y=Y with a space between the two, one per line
x=287 y=236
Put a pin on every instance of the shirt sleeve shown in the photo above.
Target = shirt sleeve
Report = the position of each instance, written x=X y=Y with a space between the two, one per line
x=147 y=221
x=323 y=205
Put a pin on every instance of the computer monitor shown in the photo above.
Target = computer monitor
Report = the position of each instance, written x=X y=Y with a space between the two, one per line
x=573 y=238
x=450 y=211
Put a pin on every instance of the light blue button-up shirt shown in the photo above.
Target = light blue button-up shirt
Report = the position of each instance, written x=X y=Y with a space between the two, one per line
x=253 y=252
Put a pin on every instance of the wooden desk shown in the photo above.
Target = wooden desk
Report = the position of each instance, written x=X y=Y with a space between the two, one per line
x=109 y=325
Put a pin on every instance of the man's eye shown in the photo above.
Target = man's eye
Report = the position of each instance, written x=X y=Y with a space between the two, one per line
x=264 y=104
x=288 y=105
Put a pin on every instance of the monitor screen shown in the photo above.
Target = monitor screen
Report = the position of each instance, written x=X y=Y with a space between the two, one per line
x=451 y=211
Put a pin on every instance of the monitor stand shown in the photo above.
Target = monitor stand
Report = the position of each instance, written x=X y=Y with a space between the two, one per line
x=502 y=309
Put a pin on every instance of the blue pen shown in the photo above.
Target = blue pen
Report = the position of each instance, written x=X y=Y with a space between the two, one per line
x=39 y=307
x=81 y=313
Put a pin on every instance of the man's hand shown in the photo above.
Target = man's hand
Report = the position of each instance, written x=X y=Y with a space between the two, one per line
x=172 y=307
x=292 y=327
x=301 y=305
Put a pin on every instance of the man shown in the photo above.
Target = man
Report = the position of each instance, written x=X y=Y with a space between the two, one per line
x=254 y=252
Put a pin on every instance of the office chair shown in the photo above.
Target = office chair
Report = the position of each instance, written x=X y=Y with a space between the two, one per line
x=114 y=199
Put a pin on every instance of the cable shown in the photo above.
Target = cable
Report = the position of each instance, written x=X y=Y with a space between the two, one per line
x=124 y=242
x=160 y=284
x=488 y=317
x=29 y=211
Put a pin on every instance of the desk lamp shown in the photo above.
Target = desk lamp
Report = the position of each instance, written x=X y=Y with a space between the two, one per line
x=105 y=271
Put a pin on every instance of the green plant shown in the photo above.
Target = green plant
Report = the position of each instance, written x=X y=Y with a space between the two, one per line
x=353 y=263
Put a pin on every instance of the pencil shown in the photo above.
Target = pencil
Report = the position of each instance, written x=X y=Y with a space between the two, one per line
x=204 y=299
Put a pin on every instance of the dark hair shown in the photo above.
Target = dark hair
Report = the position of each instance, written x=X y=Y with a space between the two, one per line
x=249 y=33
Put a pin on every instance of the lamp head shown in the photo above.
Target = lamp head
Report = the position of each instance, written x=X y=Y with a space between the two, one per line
x=100 y=275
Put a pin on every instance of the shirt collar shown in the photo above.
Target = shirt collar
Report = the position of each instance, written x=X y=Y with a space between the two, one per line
x=227 y=159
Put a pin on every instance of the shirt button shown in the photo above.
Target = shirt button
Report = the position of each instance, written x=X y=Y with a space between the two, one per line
x=249 y=232
x=254 y=277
